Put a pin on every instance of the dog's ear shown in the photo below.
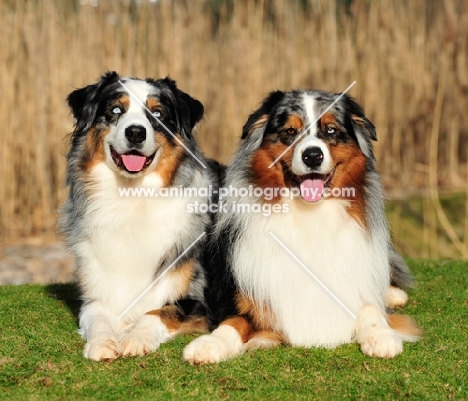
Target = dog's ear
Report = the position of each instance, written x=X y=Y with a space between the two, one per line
x=260 y=117
x=186 y=106
x=195 y=108
x=362 y=126
x=84 y=102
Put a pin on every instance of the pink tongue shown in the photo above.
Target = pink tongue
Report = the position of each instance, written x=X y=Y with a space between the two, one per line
x=312 y=190
x=133 y=162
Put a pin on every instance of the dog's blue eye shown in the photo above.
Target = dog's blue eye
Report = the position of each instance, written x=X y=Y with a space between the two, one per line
x=331 y=130
x=157 y=113
x=117 y=110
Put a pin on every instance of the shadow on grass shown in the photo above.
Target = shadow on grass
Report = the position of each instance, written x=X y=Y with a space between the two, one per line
x=69 y=294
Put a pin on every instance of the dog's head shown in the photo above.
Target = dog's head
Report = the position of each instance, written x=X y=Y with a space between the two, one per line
x=135 y=126
x=310 y=140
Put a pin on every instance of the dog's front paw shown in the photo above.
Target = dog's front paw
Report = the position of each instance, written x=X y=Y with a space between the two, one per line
x=382 y=343
x=139 y=342
x=102 y=349
x=145 y=337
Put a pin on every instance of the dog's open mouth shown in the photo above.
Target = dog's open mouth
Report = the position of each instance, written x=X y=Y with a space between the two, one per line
x=313 y=185
x=133 y=161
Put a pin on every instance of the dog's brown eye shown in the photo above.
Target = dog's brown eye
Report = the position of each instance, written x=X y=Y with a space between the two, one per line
x=291 y=131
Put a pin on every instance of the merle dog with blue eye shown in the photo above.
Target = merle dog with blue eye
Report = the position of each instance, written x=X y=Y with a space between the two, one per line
x=138 y=258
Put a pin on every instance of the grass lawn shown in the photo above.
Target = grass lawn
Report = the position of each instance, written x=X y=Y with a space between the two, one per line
x=40 y=355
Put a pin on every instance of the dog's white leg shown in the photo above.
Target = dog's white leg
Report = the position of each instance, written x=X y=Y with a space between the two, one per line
x=146 y=336
x=224 y=343
x=375 y=335
x=99 y=331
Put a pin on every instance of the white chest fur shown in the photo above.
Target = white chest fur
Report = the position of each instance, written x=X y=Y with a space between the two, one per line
x=351 y=262
x=127 y=239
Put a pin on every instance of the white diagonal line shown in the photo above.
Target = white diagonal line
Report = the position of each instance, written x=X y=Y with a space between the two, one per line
x=312 y=124
x=161 y=123
x=314 y=276
x=161 y=275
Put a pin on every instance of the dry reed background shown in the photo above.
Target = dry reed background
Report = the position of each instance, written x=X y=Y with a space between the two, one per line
x=409 y=59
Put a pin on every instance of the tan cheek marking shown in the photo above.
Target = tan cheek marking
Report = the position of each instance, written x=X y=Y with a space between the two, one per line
x=171 y=155
x=273 y=177
x=351 y=173
x=94 y=149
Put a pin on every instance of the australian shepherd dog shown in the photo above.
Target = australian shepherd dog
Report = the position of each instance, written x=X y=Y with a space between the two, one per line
x=138 y=256
x=302 y=249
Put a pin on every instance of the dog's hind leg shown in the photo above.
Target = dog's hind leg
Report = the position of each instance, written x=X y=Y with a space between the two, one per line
x=396 y=297
x=264 y=339
x=400 y=279
x=157 y=327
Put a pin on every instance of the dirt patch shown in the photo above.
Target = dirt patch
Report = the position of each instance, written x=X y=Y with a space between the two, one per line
x=35 y=264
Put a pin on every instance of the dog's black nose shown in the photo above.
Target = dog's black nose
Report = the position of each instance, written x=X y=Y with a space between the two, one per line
x=135 y=133
x=312 y=157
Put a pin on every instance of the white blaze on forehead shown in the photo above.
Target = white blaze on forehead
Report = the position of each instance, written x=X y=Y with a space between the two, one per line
x=311 y=140
x=309 y=107
x=138 y=92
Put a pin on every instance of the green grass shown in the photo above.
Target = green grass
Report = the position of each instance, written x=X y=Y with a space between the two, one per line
x=40 y=356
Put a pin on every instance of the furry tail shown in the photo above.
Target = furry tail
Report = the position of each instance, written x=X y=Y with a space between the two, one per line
x=405 y=327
